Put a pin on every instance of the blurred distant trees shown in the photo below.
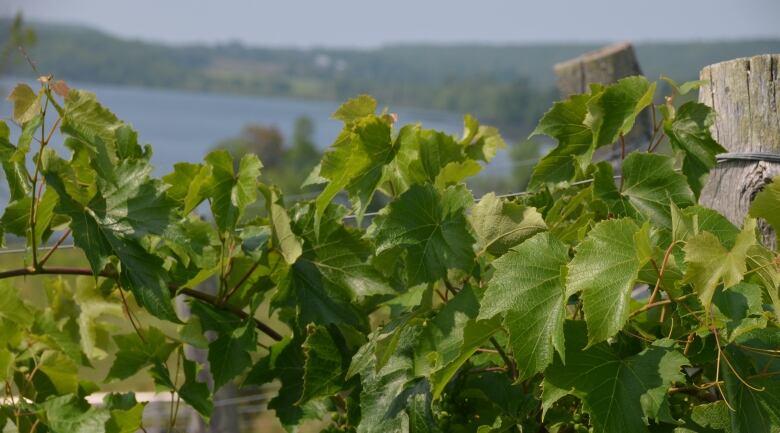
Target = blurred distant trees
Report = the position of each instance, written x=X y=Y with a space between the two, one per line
x=525 y=155
x=285 y=166
x=266 y=142
x=303 y=154
x=16 y=35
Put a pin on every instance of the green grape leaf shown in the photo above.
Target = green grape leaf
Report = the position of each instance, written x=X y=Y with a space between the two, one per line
x=761 y=261
x=455 y=172
x=13 y=308
x=192 y=333
x=476 y=334
x=689 y=132
x=426 y=156
x=684 y=88
x=708 y=418
x=188 y=184
x=44 y=215
x=284 y=238
x=386 y=394
x=411 y=310
x=12 y=159
x=357 y=163
x=565 y=123
x=500 y=225
x=766 y=204
x=527 y=290
x=229 y=354
x=86 y=119
x=71 y=414
x=710 y=264
x=619 y=392
x=323 y=370
x=605 y=269
x=126 y=413
x=214 y=319
x=481 y=141
x=431 y=227
x=61 y=370
x=16 y=217
x=332 y=274
x=27 y=103
x=739 y=309
x=755 y=394
x=135 y=354
x=285 y=362
x=693 y=220
x=113 y=223
x=179 y=181
x=355 y=109
x=649 y=184
x=94 y=309
x=232 y=191
x=560 y=165
x=612 y=113
x=442 y=337
x=194 y=241
x=79 y=178
x=58 y=334
x=65 y=340
x=194 y=392
x=419 y=416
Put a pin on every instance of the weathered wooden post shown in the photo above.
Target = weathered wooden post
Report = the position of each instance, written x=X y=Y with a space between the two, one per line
x=745 y=94
x=606 y=66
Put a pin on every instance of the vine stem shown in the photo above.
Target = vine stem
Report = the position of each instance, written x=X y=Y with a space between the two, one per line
x=34 y=201
x=209 y=299
x=657 y=142
x=622 y=147
x=509 y=364
x=650 y=302
x=54 y=248
x=650 y=306
x=656 y=127
x=241 y=282
x=130 y=316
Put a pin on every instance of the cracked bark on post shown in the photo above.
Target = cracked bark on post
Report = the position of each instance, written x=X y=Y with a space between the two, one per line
x=744 y=93
x=605 y=66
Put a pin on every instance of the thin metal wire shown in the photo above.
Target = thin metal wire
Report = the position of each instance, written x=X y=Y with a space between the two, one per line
x=748 y=156
x=24 y=250
x=239 y=400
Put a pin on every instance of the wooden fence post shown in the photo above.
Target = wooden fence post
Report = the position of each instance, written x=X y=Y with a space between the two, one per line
x=606 y=66
x=745 y=94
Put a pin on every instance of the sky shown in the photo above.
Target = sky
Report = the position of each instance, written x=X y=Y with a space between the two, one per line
x=367 y=23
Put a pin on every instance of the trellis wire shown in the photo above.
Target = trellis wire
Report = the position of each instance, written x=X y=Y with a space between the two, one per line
x=748 y=156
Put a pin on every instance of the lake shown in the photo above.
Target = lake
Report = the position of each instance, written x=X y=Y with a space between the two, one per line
x=184 y=126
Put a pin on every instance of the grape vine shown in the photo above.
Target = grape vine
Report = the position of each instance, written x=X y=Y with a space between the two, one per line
x=592 y=302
